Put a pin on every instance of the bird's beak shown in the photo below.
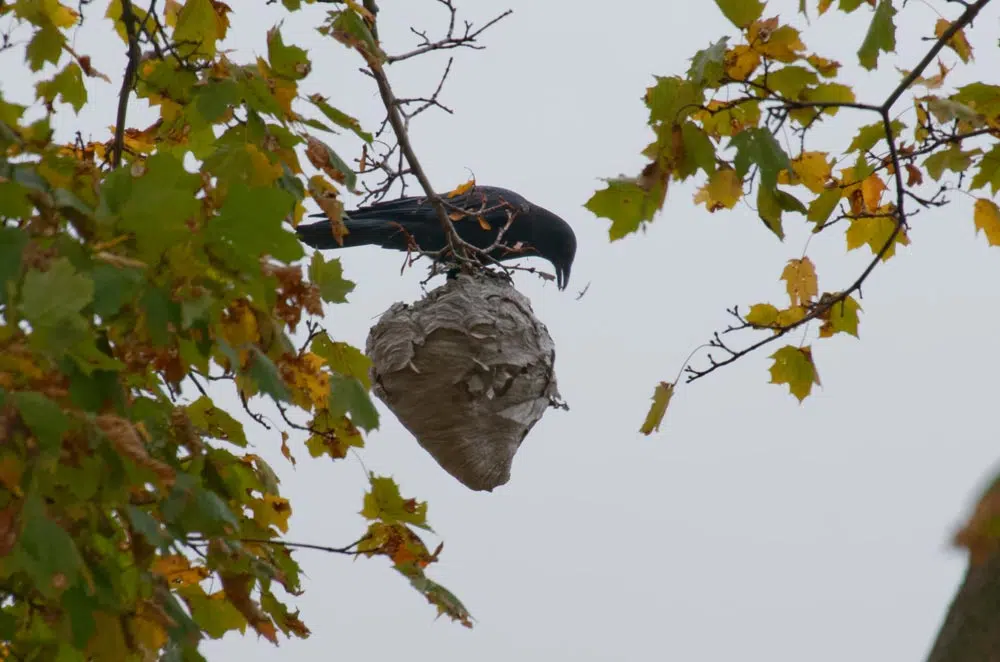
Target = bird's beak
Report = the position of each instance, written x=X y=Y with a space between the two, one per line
x=562 y=278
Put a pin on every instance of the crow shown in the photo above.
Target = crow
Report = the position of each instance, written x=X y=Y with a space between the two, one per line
x=412 y=222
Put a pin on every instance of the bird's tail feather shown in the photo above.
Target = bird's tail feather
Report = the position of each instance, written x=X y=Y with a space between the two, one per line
x=360 y=232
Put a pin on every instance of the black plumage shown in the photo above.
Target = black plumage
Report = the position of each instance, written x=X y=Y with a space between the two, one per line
x=398 y=224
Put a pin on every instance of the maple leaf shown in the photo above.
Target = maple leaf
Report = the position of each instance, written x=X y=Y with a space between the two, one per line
x=881 y=35
x=794 y=366
x=986 y=216
x=662 y=394
x=957 y=43
x=741 y=12
x=841 y=317
x=762 y=315
x=875 y=232
x=801 y=282
x=810 y=169
x=722 y=191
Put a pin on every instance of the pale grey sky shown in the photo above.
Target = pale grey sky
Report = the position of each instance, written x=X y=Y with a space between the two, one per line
x=751 y=527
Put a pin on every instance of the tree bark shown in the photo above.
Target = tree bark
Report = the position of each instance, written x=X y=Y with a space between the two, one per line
x=971 y=629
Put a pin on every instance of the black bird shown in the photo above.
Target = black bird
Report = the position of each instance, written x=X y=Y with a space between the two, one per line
x=399 y=224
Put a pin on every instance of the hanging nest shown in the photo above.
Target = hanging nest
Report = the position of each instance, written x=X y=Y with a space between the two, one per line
x=468 y=370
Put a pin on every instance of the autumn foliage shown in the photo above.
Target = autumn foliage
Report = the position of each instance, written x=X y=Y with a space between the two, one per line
x=139 y=273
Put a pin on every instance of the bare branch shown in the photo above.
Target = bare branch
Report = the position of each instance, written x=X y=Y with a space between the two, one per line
x=451 y=40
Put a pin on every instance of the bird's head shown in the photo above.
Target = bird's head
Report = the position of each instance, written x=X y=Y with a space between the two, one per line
x=555 y=241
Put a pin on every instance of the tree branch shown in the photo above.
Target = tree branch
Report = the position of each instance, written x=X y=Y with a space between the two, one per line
x=128 y=19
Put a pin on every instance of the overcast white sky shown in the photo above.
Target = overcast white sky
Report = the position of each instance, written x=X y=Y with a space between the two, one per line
x=751 y=527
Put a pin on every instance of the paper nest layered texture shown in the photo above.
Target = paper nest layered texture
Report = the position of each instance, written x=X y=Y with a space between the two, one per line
x=468 y=370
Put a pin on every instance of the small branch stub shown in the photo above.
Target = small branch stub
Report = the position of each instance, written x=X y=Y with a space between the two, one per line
x=468 y=370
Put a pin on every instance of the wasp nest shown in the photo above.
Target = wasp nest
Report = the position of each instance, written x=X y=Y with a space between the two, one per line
x=468 y=370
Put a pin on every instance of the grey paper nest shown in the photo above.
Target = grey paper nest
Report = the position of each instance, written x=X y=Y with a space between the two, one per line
x=468 y=370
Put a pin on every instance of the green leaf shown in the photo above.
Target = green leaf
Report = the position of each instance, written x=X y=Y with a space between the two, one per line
x=343 y=358
x=789 y=81
x=149 y=528
x=794 y=366
x=250 y=225
x=45 y=46
x=157 y=204
x=758 y=146
x=708 y=65
x=113 y=288
x=160 y=311
x=14 y=202
x=67 y=86
x=45 y=551
x=673 y=99
x=268 y=379
x=328 y=276
x=289 y=62
x=215 y=98
x=824 y=93
x=338 y=164
x=954 y=158
x=823 y=205
x=44 y=418
x=627 y=204
x=870 y=135
x=699 y=152
x=215 y=422
x=12 y=243
x=215 y=617
x=348 y=394
x=741 y=13
x=340 y=118
x=49 y=298
x=988 y=173
x=661 y=400
x=770 y=205
x=881 y=35
x=983 y=98
x=350 y=23
x=196 y=31
x=384 y=502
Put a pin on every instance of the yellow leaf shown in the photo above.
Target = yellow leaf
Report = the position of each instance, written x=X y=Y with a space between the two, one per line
x=794 y=366
x=841 y=317
x=986 y=216
x=661 y=400
x=60 y=15
x=779 y=43
x=762 y=315
x=811 y=169
x=801 y=282
x=178 y=571
x=310 y=385
x=871 y=192
x=957 y=43
x=272 y=511
x=264 y=172
x=741 y=61
x=462 y=188
x=170 y=11
x=875 y=232
x=824 y=5
x=722 y=191
x=826 y=68
x=791 y=316
x=325 y=195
